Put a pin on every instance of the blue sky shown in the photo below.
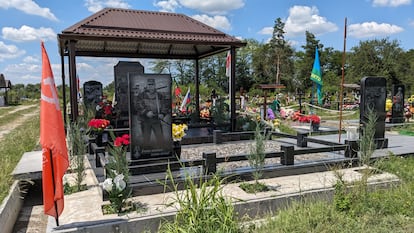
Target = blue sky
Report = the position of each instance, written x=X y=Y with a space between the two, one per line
x=24 y=23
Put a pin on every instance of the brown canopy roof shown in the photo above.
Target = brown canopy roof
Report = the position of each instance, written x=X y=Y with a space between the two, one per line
x=144 y=34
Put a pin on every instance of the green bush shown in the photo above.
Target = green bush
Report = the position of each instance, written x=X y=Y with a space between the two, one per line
x=202 y=207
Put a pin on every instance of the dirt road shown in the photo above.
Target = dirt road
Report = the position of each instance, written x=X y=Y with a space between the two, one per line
x=5 y=129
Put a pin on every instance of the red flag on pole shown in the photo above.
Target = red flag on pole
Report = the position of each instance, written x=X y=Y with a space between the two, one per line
x=177 y=91
x=53 y=141
x=228 y=64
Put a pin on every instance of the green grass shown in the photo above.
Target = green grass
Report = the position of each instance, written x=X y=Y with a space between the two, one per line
x=383 y=210
x=22 y=139
x=407 y=129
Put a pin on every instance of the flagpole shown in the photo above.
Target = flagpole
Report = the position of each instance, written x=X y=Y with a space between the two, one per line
x=341 y=95
x=53 y=183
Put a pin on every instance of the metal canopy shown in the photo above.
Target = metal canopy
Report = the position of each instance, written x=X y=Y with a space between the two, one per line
x=114 y=32
x=144 y=34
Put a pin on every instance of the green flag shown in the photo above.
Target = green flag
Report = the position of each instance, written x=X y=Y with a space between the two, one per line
x=316 y=75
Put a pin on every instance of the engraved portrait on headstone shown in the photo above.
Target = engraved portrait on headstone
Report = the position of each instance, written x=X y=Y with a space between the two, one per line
x=397 y=104
x=92 y=94
x=121 y=71
x=150 y=115
x=373 y=95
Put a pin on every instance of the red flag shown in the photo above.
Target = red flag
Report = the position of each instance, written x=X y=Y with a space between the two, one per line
x=177 y=91
x=228 y=64
x=52 y=139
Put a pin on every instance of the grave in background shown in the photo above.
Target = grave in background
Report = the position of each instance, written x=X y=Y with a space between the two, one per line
x=398 y=103
x=92 y=94
x=121 y=71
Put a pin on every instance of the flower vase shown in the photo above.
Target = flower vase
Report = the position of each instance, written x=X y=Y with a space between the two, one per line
x=315 y=127
x=98 y=139
x=177 y=149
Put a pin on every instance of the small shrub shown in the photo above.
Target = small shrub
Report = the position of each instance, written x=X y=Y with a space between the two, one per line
x=254 y=187
x=77 y=151
x=202 y=207
x=367 y=144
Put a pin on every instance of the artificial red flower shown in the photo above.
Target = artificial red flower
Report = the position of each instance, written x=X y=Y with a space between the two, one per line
x=121 y=141
x=98 y=124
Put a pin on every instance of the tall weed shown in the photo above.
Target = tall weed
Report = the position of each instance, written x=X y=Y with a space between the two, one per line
x=202 y=207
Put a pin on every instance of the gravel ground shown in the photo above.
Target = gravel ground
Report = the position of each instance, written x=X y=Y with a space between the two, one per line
x=192 y=152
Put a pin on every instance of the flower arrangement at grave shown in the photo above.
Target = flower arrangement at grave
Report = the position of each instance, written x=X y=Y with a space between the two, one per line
x=116 y=184
x=205 y=113
x=98 y=125
x=178 y=131
x=388 y=105
x=411 y=104
x=105 y=110
x=275 y=123
x=411 y=100
x=313 y=119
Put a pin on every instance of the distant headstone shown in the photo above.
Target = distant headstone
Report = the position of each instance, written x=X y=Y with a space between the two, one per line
x=121 y=71
x=92 y=94
x=398 y=103
x=150 y=115
x=373 y=96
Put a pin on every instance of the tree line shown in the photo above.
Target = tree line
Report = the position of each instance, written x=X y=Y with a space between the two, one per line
x=277 y=62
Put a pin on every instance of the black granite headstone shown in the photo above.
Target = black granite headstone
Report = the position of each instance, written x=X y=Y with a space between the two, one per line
x=373 y=96
x=121 y=71
x=398 y=103
x=92 y=94
x=150 y=115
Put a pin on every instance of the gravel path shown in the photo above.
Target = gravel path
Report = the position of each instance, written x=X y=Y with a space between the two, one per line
x=5 y=129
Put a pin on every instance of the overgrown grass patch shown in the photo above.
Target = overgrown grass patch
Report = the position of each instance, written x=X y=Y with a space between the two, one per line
x=22 y=139
x=381 y=210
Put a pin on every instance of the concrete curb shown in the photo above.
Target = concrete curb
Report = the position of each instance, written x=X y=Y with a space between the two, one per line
x=10 y=207
x=260 y=207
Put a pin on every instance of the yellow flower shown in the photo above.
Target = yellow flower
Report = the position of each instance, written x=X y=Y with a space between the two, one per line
x=388 y=105
x=178 y=131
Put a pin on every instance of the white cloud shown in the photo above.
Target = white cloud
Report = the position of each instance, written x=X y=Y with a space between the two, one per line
x=266 y=31
x=31 y=59
x=390 y=3
x=218 y=22
x=28 y=7
x=26 y=33
x=370 y=29
x=167 y=6
x=216 y=7
x=97 y=5
x=304 y=18
x=24 y=73
x=9 y=51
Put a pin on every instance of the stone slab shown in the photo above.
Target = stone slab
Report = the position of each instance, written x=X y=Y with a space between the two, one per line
x=29 y=166
x=10 y=207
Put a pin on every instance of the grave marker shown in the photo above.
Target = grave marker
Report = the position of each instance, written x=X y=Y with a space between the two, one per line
x=373 y=96
x=150 y=115
x=398 y=103
x=92 y=94
x=121 y=71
